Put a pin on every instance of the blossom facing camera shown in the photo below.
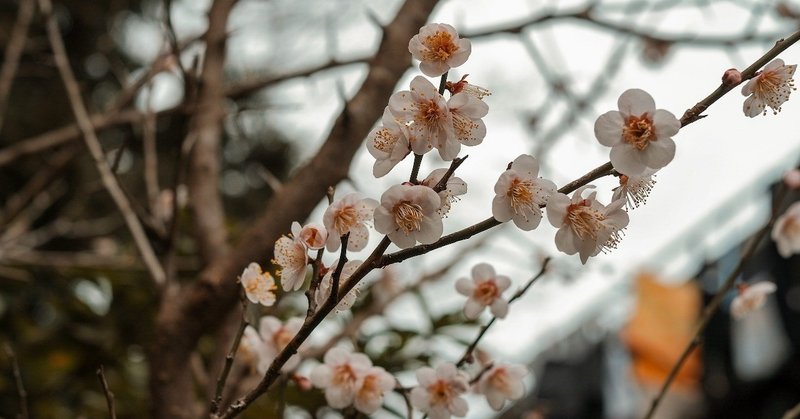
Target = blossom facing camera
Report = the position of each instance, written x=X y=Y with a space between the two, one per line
x=771 y=87
x=389 y=144
x=786 y=231
x=485 y=289
x=502 y=382
x=521 y=194
x=439 y=392
x=292 y=256
x=640 y=136
x=751 y=298
x=349 y=215
x=586 y=226
x=339 y=375
x=431 y=124
x=438 y=48
x=259 y=287
x=371 y=386
x=408 y=214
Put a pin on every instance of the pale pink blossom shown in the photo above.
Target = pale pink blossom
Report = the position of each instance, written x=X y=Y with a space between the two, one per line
x=408 y=214
x=312 y=235
x=586 y=226
x=439 y=392
x=349 y=215
x=468 y=88
x=431 y=123
x=469 y=129
x=786 y=231
x=485 y=289
x=292 y=256
x=275 y=336
x=388 y=143
x=339 y=375
x=324 y=290
x=751 y=298
x=259 y=287
x=521 y=194
x=438 y=48
x=502 y=382
x=453 y=189
x=634 y=190
x=253 y=351
x=771 y=87
x=370 y=388
x=640 y=136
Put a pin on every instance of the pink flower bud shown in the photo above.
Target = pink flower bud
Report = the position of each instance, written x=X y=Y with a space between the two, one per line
x=732 y=77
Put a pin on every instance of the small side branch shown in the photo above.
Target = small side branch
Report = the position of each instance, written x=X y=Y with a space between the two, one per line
x=21 y=393
x=226 y=369
x=107 y=391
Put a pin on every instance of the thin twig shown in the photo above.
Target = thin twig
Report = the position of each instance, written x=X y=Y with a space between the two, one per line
x=96 y=150
x=21 y=393
x=792 y=413
x=442 y=184
x=107 y=391
x=716 y=301
x=226 y=369
x=468 y=352
x=14 y=48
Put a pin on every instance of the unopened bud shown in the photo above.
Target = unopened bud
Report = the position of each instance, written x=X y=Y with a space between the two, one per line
x=732 y=77
x=303 y=383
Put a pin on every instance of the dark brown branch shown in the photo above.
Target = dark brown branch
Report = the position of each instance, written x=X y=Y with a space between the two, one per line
x=112 y=413
x=21 y=393
x=226 y=369
x=14 y=47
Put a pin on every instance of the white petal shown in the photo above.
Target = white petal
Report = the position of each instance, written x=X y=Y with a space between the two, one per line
x=473 y=309
x=431 y=230
x=465 y=286
x=483 y=272
x=659 y=153
x=501 y=209
x=665 y=123
x=526 y=166
x=528 y=221
x=321 y=376
x=753 y=106
x=627 y=160
x=499 y=308
x=635 y=102
x=557 y=209
x=608 y=128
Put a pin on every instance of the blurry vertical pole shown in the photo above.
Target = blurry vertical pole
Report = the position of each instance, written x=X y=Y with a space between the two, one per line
x=201 y=306
x=172 y=389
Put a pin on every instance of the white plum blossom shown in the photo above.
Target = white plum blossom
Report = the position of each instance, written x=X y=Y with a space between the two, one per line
x=408 y=214
x=370 y=388
x=485 y=289
x=349 y=215
x=276 y=335
x=339 y=375
x=771 y=87
x=254 y=353
x=634 y=190
x=640 y=136
x=751 y=298
x=786 y=231
x=259 y=287
x=324 y=290
x=502 y=382
x=292 y=256
x=585 y=226
x=468 y=88
x=455 y=187
x=439 y=391
x=388 y=143
x=438 y=48
x=431 y=123
x=312 y=235
x=466 y=111
x=520 y=194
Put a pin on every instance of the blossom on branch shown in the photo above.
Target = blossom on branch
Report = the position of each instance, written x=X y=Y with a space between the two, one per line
x=324 y=290
x=370 y=388
x=485 y=289
x=640 y=136
x=261 y=347
x=439 y=391
x=312 y=235
x=438 y=48
x=349 y=215
x=751 y=298
x=466 y=111
x=292 y=256
x=502 y=382
x=586 y=226
x=634 y=190
x=521 y=193
x=408 y=214
x=259 y=287
x=771 y=87
x=455 y=186
x=389 y=144
x=468 y=88
x=339 y=375
x=431 y=124
x=786 y=231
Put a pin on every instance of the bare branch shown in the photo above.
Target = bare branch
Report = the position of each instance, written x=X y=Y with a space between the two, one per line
x=107 y=391
x=16 y=43
x=21 y=393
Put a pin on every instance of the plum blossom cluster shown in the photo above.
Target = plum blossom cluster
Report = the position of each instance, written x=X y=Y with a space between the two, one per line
x=350 y=379
x=260 y=347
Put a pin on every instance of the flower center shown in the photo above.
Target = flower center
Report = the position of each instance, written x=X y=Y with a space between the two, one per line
x=282 y=338
x=774 y=88
x=344 y=375
x=312 y=237
x=791 y=228
x=384 y=140
x=408 y=216
x=486 y=292
x=428 y=112
x=369 y=390
x=521 y=195
x=464 y=126
x=639 y=131
x=584 y=220
x=345 y=218
x=440 y=46
x=441 y=393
